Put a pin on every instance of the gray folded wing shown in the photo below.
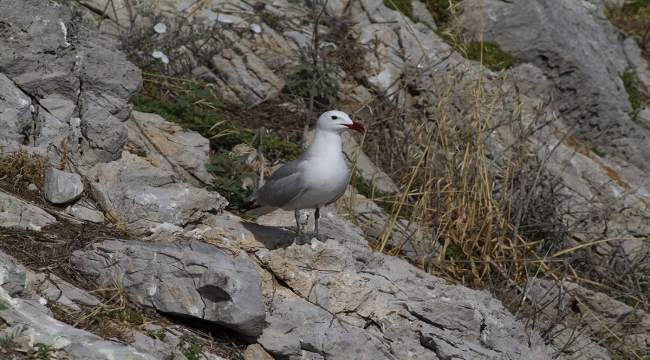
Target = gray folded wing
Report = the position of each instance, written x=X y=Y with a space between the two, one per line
x=283 y=186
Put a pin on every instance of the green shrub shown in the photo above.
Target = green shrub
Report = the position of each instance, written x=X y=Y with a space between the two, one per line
x=43 y=352
x=440 y=9
x=230 y=172
x=493 y=57
x=326 y=88
x=190 y=347
x=630 y=82
x=403 y=6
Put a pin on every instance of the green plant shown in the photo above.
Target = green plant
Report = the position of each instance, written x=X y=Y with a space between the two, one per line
x=491 y=55
x=159 y=334
x=285 y=149
x=596 y=151
x=190 y=347
x=326 y=87
x=441 y=10
x=132 y=317
x=230 y=172
x=403 y=6
x=631 y=84
x=43 y=352
x=3 y=307
x=454 y=253
x=195 y=108
x=637 y=7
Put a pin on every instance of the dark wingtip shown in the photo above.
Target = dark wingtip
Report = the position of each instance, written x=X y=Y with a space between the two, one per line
x=243 y=207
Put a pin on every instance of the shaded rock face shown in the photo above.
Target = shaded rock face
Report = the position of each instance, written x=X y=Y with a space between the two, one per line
x=578 y=49
x=80 y=81
x=186 y=279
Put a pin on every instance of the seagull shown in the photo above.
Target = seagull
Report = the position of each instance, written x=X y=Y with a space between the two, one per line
x=317 y=178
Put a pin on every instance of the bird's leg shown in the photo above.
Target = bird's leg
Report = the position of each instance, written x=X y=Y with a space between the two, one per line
x=316 y=216
x=297 y=214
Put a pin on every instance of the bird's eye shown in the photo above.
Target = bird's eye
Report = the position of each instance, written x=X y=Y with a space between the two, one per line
x=334 y=117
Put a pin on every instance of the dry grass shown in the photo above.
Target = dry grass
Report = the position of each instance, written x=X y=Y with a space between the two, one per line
x=481 y=208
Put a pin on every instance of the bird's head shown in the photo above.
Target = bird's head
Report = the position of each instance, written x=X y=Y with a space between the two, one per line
x=338 y=122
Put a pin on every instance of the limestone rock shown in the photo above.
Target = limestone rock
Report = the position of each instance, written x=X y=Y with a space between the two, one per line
x=183 y=151
x=247 y=76
x=191 y=279
x=141 y=196
x=578 y=49
x=62 y=187
x=71 y=71
x=16 y=116
x=26 y=321
x=256 y=352
x=83 y=212
x=380 y=300
x=15 y=212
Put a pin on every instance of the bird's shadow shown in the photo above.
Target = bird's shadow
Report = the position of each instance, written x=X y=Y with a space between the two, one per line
x=272 y=237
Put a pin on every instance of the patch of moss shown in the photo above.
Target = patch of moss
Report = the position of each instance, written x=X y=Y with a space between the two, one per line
x=630 y=82
x=440 y=9
x=403 y=6
x=596 y=151
x=493 y=57
x=455 y=253
x=284 y=149
x=636 y=7
x=197 y=118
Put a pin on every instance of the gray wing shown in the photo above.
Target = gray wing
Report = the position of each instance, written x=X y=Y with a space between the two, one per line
x=282 y=186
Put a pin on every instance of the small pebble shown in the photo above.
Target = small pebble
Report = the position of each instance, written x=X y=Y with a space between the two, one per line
x=32 y=187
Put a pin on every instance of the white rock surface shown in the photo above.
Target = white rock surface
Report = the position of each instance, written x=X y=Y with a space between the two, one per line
x=62 y=187
x=15 y=212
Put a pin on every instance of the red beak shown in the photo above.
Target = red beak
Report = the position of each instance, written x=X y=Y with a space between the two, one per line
x=356 y=126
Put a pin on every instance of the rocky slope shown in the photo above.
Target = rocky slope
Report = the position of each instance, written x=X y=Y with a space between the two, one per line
x=66 y=93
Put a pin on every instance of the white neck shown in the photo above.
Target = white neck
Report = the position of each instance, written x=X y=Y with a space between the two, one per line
x=325 y=143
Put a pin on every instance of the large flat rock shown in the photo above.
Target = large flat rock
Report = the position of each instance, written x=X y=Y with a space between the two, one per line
x=190 y=279
x=141 y=196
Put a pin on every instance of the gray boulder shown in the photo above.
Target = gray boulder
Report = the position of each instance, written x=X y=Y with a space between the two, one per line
x=190 y=279
x=16 y=115
x=183 y=151
x=62 y=187
x=84 y=212
x=367 y=303
x=141 y=196
x=15 y=212
x=13 y=275
x=576 y=47
x=27 y=321
x=71 y=71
